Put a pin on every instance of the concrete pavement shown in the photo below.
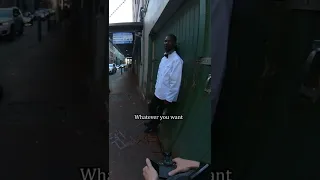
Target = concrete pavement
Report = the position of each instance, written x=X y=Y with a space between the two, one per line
x=129 y=146
x=48 y=128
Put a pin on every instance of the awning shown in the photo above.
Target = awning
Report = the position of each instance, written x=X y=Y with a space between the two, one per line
x=133 y=27
x=126 y=27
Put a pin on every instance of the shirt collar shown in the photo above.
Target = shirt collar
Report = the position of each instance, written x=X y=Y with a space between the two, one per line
x=166 y=54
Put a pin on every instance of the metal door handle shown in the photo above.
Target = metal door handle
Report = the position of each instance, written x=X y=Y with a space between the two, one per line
x=310 y=59
x=312 y=94
x=208 y=89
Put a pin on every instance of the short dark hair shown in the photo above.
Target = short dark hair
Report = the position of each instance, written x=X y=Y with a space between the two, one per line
x=173 y=37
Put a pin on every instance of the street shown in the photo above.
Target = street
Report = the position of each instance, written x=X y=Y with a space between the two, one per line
x=129 y=146
x=48 y=127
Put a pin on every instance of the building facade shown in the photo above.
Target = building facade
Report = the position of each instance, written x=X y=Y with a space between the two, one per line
x=115 y=55
x=138 y=8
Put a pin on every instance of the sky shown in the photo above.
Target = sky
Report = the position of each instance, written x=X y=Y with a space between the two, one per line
x=123 y=14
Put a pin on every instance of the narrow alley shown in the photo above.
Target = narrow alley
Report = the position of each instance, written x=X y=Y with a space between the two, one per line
x=129 y=146
x=140 y=44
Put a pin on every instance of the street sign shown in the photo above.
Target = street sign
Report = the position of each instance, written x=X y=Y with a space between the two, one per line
x=122 y=38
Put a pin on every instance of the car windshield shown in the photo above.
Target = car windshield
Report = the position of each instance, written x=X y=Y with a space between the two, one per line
x=5 y=13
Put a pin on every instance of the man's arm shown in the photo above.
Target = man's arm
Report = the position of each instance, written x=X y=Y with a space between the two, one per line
x=175 y=81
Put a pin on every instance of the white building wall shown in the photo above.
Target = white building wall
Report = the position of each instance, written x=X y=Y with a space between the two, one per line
x=154 y=10
x=136 y=6
x=135 y=10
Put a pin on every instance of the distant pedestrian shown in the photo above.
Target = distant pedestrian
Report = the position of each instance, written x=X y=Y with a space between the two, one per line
x=168 y=81
x=130 y=67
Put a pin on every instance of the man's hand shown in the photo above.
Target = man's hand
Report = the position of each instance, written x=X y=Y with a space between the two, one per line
x=149 y=173
x=183 y=165
x=166 y=102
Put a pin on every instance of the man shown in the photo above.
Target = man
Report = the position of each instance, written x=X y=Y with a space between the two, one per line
x=168 y=82
x=121 y=69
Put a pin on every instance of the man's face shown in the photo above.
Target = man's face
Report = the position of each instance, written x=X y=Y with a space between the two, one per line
x=168 y=44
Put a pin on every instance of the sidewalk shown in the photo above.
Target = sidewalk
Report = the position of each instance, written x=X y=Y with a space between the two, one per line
x=129 y=146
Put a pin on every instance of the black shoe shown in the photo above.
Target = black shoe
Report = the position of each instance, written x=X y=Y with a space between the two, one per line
x=150 y=130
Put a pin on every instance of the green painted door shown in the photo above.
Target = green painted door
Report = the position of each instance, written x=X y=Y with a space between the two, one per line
x=189 y=138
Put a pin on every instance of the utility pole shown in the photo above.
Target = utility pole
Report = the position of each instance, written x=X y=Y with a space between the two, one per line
x=49 y=22
x=37 y=5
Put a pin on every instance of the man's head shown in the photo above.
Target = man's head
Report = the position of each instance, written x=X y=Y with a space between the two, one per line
x=170 y=42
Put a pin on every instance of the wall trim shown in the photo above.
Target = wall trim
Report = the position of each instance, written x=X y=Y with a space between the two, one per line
x=170 y=9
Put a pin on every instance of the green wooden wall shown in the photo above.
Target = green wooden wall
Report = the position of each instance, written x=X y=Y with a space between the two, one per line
x=189 y=138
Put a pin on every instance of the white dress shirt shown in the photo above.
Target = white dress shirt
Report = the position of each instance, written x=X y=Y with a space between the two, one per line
x=169 y=78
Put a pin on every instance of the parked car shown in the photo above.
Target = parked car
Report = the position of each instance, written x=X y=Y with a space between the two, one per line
x=52 y=15
x=112 y=68
x=42 y=14
x=51 y=11
x=46 y=12
x=28 y=18
x=27 y=21
x=39 y=15
x=28 y=14
x=11 y=22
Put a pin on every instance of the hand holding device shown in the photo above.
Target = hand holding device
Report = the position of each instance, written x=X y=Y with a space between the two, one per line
x=183 y=165
x=163 y=169
x=149 y=171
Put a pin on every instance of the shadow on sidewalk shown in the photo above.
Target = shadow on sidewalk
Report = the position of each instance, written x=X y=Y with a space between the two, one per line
x=128 y=145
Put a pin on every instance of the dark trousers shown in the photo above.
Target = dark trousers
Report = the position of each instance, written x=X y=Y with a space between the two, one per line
x=156 y=108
